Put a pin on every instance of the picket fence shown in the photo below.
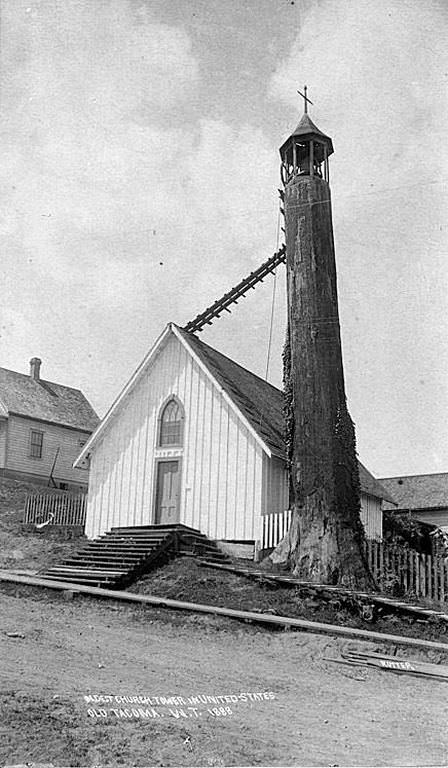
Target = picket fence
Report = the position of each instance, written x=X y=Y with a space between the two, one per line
x=407 y=571
x=275 y=526
x=395 y=569
x=55 y=509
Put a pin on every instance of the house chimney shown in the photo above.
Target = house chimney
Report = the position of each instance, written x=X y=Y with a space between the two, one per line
x=35 y=364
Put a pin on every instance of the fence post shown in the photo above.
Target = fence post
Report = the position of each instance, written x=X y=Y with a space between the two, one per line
x=442 y=579
x=406 y=570
x=436 y=572
x=429 y=576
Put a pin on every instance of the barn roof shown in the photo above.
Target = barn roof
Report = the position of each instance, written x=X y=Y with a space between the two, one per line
x=45 y=400
x=262 y=405
x=418 y=491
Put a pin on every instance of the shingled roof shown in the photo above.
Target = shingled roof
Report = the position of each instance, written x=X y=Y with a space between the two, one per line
x=262 y=405
x=44 y=400
x=412 y=492
x=260 y=402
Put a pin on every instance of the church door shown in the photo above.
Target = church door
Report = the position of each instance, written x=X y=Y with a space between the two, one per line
x=167 y=492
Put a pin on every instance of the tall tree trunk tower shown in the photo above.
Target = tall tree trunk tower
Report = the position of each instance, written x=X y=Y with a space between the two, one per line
x=325 y=541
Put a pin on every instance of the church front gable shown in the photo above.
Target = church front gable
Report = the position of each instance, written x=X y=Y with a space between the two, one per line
x=176 y=450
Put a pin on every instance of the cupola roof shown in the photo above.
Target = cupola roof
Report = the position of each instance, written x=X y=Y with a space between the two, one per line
x=306 y=129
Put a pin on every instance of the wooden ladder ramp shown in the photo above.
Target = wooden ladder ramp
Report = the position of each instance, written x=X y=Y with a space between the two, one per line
x=328 y=592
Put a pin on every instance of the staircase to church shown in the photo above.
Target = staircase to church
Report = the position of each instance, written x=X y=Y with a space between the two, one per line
x=122 y=555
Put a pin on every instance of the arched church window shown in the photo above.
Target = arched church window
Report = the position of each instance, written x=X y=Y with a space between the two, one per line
x=171 y=424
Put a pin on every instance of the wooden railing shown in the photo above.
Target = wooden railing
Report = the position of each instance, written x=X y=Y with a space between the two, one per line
x=275 y=526
x=55 y=509
x=407 y=570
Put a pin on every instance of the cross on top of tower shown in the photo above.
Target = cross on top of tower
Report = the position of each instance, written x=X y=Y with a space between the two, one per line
x=305 y=98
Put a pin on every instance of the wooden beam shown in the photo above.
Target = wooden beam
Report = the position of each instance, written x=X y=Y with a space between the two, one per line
x=239 y=291
x=252 y=616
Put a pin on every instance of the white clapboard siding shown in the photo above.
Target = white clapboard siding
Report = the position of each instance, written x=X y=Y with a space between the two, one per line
x=229 y=483
x=275 y=485
x=3 y=432
x=437 y=517
x=274 y=525
x=68 y=441
x=222 y=462
x=371 y=516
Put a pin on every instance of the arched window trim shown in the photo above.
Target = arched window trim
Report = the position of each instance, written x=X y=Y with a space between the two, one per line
x=166 y=402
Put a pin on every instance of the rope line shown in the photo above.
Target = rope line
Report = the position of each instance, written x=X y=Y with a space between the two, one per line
x=271 y=322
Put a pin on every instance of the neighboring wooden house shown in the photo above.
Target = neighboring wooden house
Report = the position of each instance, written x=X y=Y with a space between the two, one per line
x=43 y=427
x=424 y=497
x=195 y=438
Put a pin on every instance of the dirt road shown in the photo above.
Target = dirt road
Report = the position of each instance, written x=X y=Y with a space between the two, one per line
x=308 y=711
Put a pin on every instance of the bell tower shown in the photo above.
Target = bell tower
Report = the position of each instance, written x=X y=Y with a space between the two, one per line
x=326 y=535
x=306 y=151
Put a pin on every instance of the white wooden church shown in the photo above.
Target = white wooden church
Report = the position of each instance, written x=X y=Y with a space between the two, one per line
x=196 y=438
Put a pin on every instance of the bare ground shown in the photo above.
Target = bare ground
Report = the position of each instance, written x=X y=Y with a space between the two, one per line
x=187 y=580
x=54 y=653
x=28 y=550
x=321 y=713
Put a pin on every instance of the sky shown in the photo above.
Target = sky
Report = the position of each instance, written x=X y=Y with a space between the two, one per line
x=139 y=172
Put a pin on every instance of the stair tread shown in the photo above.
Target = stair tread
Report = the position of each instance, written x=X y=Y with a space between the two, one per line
x=104 y=565
x=116 y=562
x=96 y=571
x=121 y=555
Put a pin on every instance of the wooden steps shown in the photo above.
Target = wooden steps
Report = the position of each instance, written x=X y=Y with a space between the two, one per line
x=122 y=555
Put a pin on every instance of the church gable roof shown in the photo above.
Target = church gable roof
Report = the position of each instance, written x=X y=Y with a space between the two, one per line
x=46 y=401
x=256 y=399
x=262 y=404
x=259 y=403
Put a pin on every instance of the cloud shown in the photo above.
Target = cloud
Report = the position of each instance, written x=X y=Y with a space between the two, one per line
x=117 y=216
x=377 y=74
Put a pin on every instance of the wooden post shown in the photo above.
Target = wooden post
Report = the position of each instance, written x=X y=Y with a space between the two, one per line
x=442 y=579
x=381 y=564
x=425 y=576
x=429 y=576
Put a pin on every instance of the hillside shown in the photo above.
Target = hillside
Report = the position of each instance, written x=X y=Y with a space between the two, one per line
x=27 y=550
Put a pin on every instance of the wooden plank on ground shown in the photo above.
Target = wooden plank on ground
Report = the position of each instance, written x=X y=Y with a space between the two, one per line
x=373 y=598
x=251 y=616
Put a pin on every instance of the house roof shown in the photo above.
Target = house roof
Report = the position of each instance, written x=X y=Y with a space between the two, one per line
x=45 y=400
x=418 y=491
x=262 y=405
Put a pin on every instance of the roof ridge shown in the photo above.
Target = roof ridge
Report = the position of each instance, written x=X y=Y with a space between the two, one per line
x=44 y=381
x=246 y=370
x=423 y=474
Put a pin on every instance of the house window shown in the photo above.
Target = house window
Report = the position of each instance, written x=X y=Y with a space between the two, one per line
x=171 y=423
x=36 y=444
